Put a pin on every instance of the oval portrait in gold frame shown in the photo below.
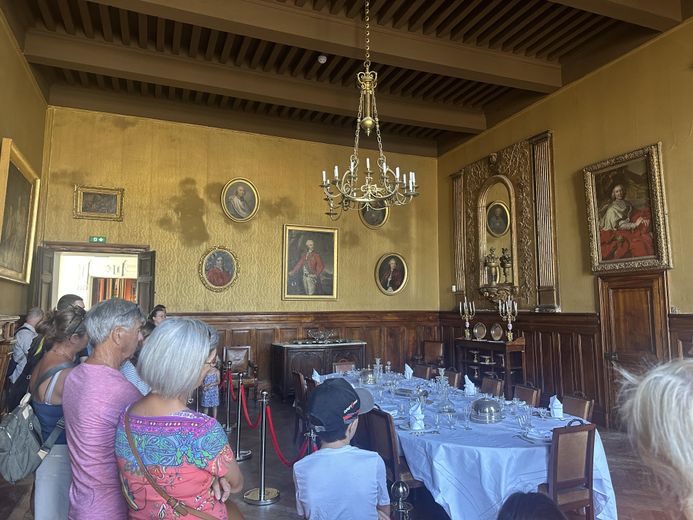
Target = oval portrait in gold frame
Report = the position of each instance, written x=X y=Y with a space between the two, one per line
x=374 y=218
x=391 y=273
x=218 y=268
x=239 y=199
x=498 y=218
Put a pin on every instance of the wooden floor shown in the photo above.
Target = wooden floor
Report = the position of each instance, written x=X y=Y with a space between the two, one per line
x=636 y=495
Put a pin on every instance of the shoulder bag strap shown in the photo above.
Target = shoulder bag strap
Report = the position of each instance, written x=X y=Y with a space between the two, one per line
x=46 y=446
x=179 y=507
x=48 y=374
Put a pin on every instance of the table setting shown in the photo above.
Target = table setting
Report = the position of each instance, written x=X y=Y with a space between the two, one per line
x=472 y=450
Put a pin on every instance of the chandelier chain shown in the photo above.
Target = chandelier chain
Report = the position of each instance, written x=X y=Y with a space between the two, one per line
x=367 y=62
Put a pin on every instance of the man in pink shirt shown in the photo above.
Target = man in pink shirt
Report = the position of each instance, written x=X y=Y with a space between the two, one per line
x=95 y=395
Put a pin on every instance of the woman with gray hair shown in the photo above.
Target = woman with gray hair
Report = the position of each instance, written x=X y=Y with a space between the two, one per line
x=166 y=453
x=656 y=409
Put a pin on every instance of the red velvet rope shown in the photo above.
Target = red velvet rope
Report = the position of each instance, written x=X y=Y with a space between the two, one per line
x=245 y=412
x=275 y=443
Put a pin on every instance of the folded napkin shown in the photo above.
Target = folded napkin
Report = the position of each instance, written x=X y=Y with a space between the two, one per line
x=416 y=417
x=469 y=388
x=441 y=371
x=408 y=371
x=316 y=377
x=556 y=407
x=390 y=408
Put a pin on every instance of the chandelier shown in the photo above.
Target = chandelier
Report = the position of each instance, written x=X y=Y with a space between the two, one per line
x=346 y=190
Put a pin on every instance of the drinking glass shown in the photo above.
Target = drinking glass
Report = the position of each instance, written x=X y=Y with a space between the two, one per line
x=466 y=413
x=436 y=420
x=402 y=409
x=451 y=418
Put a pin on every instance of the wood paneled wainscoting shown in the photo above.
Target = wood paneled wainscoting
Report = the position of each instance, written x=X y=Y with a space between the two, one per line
x=681 y=335
x=563 y=353
x=391 y=336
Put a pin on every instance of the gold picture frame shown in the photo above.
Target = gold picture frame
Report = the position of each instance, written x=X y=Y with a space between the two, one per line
x=498 y=218
x=240 y=206
x=218 y=268
x=391 y=273
x=98 y=203
x=374 y=218
x=627 y=212
x=309 y=263
x=19 y=197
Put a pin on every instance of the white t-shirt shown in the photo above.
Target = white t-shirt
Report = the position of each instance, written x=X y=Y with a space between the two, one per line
x=345 y=483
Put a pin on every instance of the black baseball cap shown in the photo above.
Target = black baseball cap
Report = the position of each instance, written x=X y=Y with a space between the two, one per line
x=335 y=404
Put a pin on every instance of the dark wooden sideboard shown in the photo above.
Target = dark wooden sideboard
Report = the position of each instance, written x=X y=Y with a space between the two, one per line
x=304 y=357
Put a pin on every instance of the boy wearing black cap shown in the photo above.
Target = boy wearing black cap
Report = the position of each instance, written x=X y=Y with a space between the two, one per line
x=340 y=481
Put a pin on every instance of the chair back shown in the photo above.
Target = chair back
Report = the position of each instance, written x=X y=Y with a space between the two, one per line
x=343 y=366
x=578 y=407
x=300 y=390
x=434 y=352
x=383 y=440
x=423 y=371
x=454 y=377
x=571 y=461
x=310 y=384
x=237 y=358
x=493 y=386
x=527 y=394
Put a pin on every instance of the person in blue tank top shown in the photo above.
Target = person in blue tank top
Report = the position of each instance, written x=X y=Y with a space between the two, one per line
x=64 y=330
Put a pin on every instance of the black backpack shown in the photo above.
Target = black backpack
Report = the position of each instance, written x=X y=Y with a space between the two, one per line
x=16 y=390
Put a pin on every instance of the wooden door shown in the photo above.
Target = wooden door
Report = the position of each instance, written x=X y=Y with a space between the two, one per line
x=634 y=326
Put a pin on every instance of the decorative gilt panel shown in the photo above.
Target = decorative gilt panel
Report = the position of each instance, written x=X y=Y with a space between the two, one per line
x=526 y=170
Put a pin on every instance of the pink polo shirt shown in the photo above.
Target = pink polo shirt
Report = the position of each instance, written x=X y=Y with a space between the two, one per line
x=93 y=399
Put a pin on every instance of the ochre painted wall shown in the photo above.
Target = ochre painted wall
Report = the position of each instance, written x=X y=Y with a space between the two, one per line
x=642 y=98
x=22 y=115
x=154 y=161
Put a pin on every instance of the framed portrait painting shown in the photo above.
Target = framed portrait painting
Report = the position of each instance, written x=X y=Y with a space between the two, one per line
x=19 y=192
x=218 y=268
x=239 y=200
x=309 y=263
x=627 y=212
x=98 y=203
x=497 y=218
x=374 y=217
x=391 y=273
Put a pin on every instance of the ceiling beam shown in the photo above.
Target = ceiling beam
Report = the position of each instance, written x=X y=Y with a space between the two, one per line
x=660 y=15
x=319 y=31
x=171 y=110
x=134 y=64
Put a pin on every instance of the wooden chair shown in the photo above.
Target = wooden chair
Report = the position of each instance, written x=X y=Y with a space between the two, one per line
x=571 y=462
x=578 y=407
x=423 y=371
x=383 y=439
x=361 y=438
x=236 y=359
x=310 y=385
x=434 y=353
x=493 y=386
x=300 y=402
x=454 y=377
x=343 y=366
x=527 y=394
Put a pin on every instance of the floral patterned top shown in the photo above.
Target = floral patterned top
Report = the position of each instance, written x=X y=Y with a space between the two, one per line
x=184 y=452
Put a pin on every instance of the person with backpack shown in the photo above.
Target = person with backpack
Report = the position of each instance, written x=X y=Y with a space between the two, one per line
x=23 y=339
x=16 y=391
x=65 y=331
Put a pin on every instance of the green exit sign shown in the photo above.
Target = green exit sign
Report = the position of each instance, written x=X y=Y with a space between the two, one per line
x=97 y=240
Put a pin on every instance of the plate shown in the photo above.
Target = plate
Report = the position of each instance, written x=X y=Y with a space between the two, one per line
x=405 y=392
x=496 y=331
x=427 y=428
x=538 y=435
x=479 y=330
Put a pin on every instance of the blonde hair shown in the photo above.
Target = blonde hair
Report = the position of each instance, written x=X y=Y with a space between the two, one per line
x=656 y=409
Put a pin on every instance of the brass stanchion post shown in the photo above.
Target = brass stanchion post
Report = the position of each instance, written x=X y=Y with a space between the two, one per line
x=262 y=496
x=241 y=455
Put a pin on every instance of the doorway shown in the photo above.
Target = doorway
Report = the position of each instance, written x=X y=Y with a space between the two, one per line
x=94 y=272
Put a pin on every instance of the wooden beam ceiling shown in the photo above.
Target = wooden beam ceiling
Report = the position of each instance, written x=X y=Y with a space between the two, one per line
x=659 y=15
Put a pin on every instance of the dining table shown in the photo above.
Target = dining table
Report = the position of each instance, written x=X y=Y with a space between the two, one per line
x=471 y=471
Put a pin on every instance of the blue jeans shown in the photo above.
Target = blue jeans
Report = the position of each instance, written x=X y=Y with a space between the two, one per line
x=53 y=479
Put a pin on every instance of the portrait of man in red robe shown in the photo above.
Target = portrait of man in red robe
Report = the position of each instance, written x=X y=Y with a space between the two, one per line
x=217 y=273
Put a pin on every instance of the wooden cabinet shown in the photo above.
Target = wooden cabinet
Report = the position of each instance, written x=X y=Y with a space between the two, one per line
x=7 y=328
x=484 y=358
x=286 y=358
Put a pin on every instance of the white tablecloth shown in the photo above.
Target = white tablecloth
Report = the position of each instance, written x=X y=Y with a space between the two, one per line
x=471 y=472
